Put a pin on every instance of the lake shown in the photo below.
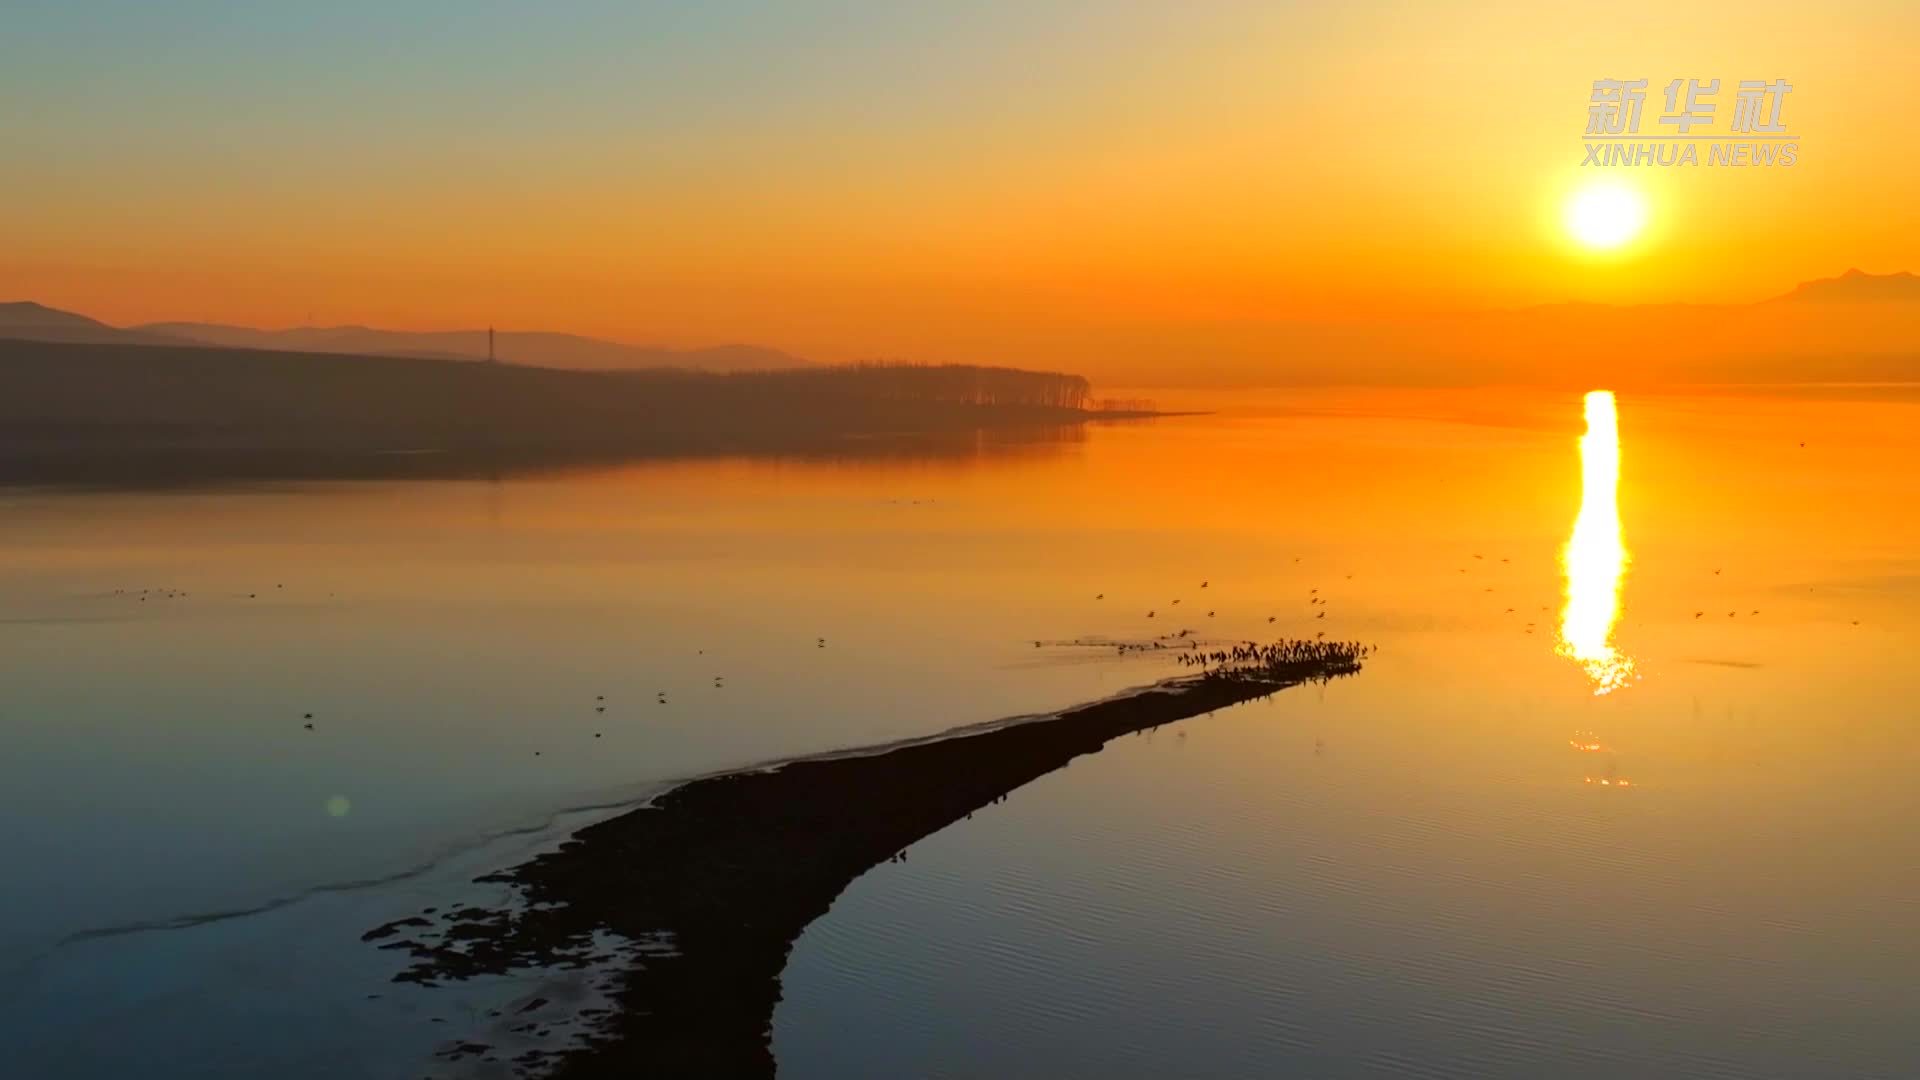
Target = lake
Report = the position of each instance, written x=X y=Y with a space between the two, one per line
x=1635 y=805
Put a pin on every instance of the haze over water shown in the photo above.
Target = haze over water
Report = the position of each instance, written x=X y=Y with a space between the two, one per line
x=1416 y=865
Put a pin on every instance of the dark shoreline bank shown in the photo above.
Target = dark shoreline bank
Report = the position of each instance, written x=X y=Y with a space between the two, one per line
x=150 y=415
x=728 y=870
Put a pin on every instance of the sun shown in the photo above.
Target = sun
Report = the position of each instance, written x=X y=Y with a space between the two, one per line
x=1606 y=216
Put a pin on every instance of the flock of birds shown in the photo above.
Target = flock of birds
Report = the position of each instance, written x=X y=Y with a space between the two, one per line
x=1185 y=639
x=1192 y=650
x=600 y=700
x=1253 y=658
x=143 y=595
x=1314 y=599
x=1246 y=657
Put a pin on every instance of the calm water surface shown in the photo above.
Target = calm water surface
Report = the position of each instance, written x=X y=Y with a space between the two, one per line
x=1465 y=861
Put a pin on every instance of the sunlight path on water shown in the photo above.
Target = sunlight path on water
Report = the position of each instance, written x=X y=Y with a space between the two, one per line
x=1595 y=558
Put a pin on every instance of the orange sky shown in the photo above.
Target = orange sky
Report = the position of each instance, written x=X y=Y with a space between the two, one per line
x=1013 y=183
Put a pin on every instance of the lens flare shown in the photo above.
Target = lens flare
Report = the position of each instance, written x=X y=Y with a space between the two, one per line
x=1595 y=558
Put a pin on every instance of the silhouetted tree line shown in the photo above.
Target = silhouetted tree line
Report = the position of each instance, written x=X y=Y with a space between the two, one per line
x=105 y=406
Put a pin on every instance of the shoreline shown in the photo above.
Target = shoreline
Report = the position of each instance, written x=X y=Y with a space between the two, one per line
x=161 y=415
x=710 y=883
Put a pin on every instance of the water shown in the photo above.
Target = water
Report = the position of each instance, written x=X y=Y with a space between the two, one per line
x=1418 y=870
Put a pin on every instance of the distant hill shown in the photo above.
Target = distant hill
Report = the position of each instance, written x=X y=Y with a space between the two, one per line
x=1856 y=286
x=536 y=348
x=26 y=313
x=28 y=321
x=1856 y=327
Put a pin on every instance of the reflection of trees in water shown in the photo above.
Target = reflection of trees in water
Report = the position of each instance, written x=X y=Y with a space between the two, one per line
x=960 y=447
x=960 y=383
x=186 y=468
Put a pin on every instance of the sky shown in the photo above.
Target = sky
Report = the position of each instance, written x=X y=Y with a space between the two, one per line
x=994 y=181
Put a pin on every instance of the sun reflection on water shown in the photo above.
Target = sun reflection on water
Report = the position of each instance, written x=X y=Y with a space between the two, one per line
x=1595 y=558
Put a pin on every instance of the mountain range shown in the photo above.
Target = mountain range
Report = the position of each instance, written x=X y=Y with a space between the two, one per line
x=1856 y=327
x=36 y=322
